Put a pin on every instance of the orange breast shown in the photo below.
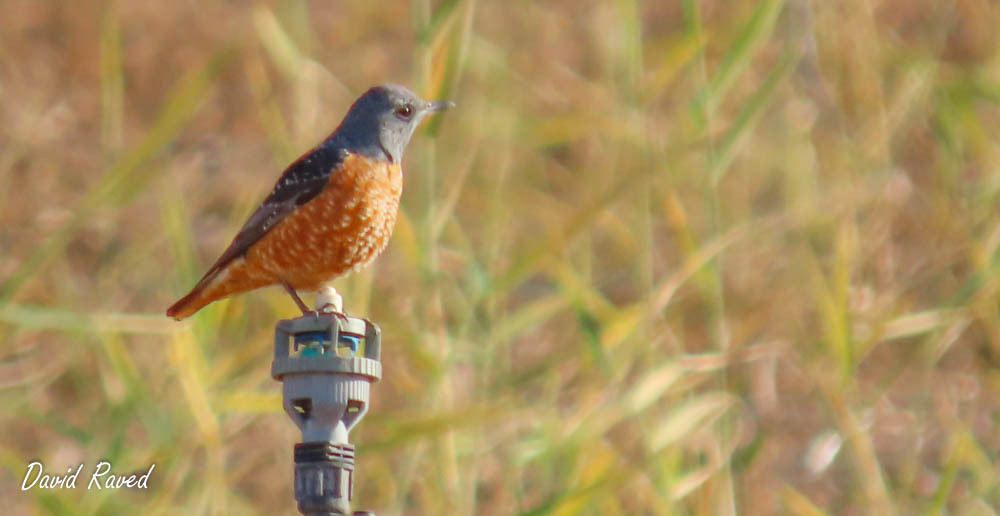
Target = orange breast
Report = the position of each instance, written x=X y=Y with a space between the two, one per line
x=343 y=228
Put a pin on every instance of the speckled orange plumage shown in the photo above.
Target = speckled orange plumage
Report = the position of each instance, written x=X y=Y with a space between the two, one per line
x=343 y=228
x=331 y=211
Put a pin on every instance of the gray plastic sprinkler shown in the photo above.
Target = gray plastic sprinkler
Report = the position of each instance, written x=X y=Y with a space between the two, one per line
x=326 y=362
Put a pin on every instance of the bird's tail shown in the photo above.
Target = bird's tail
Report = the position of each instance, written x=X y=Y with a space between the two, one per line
x=187 y=305
x=222 y=280
x=192 y=302
x=213 y=285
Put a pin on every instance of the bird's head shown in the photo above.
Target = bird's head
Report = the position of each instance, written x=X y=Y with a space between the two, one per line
x=381 y=122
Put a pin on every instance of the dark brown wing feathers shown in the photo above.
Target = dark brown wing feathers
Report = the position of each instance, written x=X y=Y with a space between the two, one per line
x=301 y=182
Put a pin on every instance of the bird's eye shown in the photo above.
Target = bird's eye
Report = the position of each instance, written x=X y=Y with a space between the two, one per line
x=405 y=111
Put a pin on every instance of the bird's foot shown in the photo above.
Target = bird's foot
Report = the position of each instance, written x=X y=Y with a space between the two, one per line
x=330 y=310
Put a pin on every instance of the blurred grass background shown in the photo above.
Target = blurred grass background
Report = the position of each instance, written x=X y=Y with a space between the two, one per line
x=677 y=257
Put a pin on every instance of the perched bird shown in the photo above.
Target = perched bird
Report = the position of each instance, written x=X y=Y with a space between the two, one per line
x=331 y=211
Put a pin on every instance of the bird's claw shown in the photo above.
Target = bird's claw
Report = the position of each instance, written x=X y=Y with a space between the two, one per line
x=327 y=310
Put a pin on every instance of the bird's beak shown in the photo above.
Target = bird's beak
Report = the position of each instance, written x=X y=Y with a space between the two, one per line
x=439 y=105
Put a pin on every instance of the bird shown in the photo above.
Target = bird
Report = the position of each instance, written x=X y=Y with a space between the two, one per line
x=331 y=212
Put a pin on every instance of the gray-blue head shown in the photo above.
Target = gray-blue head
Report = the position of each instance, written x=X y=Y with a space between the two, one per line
x=382 y=120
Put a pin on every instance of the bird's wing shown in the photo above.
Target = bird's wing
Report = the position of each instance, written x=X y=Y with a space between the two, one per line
x=301 y=182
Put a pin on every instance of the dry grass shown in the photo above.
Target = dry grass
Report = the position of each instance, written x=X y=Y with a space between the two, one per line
x=691 y=257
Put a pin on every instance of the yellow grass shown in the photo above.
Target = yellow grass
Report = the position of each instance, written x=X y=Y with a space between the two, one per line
x=675 y=257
